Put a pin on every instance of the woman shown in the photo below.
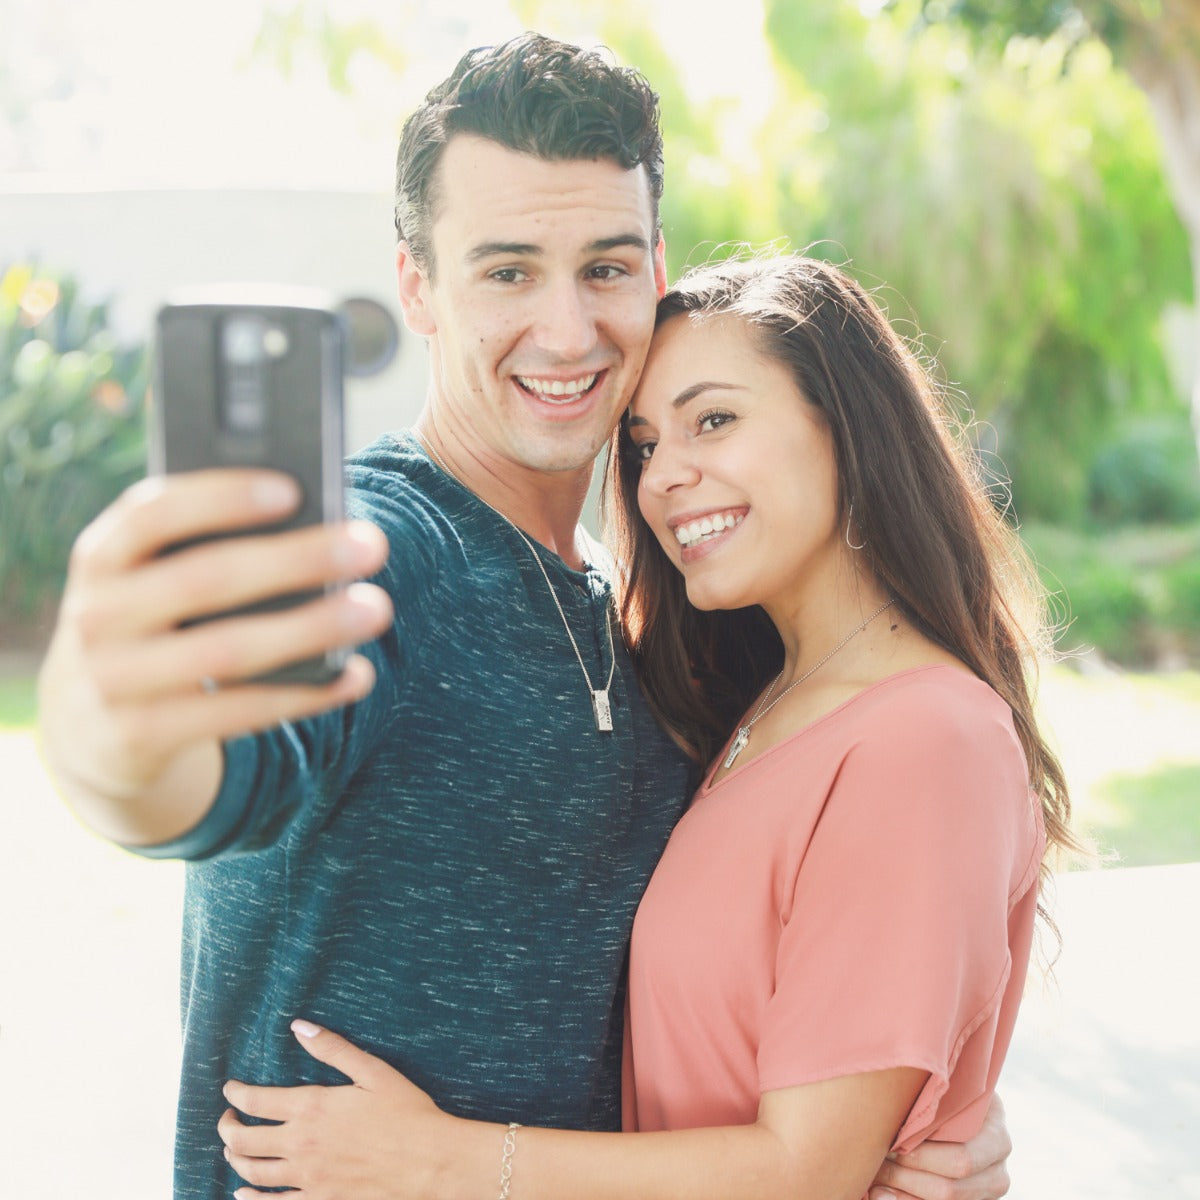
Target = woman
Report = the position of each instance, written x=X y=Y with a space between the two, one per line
x=828 y=962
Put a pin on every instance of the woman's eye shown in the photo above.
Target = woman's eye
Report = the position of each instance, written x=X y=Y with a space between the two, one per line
x=641 y=451
x=709 y=421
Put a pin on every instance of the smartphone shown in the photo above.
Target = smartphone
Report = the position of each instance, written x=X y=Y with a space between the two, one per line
x=253 y=377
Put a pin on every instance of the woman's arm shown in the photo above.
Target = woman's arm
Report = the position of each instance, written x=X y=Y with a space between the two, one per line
x=381 y=1138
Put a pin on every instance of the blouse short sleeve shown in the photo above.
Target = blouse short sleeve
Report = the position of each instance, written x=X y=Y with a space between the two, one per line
x=913 y=901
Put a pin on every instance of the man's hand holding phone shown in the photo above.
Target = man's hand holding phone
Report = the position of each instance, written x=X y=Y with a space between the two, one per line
x=211 y=599
x=135 y=697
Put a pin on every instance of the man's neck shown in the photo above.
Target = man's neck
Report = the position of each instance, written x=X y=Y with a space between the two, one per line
x=545 y=505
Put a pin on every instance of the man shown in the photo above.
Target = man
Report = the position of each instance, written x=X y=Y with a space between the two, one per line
x=446 y=869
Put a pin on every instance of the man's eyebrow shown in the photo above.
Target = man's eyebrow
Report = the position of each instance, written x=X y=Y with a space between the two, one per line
x=528 y=249
x=690 y=393
x=491 y=249
x=621 y=239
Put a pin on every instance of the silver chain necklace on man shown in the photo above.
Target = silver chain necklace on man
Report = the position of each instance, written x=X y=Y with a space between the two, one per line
x=743 y=733
x=601 y=708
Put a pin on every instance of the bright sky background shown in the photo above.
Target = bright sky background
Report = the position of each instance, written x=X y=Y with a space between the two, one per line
x=156 y=92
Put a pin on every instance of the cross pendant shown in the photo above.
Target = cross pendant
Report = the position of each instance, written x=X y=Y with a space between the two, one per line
x=739 y=744
x=602 y=711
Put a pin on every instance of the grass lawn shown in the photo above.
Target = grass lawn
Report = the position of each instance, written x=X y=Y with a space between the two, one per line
x=1131 y=748
x=16 y=702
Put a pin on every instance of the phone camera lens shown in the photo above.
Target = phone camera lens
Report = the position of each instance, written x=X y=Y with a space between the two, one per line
x=275 y=342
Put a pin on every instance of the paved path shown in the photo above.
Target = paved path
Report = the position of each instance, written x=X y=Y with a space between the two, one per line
x=1102 y=1087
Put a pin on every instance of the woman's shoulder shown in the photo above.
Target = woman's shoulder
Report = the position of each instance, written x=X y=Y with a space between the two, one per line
x=940 y=699
x=936 y=730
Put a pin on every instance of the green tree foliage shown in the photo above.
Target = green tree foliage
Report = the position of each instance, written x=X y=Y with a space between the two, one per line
x=714 y=192
x=71 y=430
x=1015 y=202
x=287 y=34
x=1009 y=190
x=1158 y=43
x=1010 y=194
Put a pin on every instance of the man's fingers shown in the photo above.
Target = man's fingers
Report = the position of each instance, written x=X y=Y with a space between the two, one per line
x=972 y=1170
x=953 y=1160
x=235 y=649
x=888 y=1193
x=957 y=1160
x=246 y=709
x=159 y=512
x=215 y=577
x=908 y=1183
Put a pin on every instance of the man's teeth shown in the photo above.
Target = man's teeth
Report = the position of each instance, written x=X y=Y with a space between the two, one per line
x=558 y=387
x=707 y=528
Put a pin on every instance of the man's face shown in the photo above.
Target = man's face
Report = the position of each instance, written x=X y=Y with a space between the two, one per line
x=540 y=309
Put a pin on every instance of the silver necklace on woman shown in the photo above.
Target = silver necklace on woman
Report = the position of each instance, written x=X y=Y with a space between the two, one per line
x=743 y=733
x=601 y=708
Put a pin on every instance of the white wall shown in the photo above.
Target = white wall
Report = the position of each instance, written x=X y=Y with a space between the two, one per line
x=133 y=247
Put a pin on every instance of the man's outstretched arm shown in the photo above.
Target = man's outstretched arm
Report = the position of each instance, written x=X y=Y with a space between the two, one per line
x=133 y=701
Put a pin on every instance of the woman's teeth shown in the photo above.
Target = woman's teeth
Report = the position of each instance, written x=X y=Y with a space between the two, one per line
x=707 y=528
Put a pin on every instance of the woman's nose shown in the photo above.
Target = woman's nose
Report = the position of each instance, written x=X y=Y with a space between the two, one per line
x=670 y=466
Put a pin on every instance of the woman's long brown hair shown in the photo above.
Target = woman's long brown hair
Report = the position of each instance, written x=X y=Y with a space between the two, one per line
x=936 y=540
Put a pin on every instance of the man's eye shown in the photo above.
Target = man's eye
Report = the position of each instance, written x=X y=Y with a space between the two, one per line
x=507 y=275
x=606 y=271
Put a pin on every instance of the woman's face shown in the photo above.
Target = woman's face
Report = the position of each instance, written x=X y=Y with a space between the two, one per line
x=738 y=480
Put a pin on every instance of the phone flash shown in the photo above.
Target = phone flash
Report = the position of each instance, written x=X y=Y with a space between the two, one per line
x=275 y=342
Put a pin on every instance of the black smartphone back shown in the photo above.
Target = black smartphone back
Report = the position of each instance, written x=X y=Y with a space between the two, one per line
x=253 y=377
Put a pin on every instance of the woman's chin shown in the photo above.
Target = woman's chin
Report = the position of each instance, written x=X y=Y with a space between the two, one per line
x=709 y=598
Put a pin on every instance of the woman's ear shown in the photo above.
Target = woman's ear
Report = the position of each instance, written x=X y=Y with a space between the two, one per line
x=413 y=285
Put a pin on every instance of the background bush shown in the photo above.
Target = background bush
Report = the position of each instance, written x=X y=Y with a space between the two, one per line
x=1150 y=474
x=71 y=432
x=1132 y=595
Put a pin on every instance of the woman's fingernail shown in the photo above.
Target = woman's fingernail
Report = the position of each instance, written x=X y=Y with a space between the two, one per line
x=305 y=1028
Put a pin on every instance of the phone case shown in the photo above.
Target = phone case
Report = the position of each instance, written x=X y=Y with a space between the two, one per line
x=253 y=378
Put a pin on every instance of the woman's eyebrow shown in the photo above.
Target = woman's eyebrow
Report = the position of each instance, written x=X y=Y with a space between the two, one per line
x=705 y=385
x=690 y=393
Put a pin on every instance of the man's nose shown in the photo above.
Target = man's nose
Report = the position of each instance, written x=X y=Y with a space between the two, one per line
x=566 y=326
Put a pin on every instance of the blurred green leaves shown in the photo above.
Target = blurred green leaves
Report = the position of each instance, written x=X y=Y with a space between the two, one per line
x=71 y=430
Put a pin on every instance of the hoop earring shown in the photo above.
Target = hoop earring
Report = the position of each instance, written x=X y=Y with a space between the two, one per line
x=850 y=517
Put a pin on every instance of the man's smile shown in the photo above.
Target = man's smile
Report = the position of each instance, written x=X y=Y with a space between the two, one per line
x=561 y=391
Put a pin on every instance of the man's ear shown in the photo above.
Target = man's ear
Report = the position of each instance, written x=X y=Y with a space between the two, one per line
x=413 y=286
x=660 y=267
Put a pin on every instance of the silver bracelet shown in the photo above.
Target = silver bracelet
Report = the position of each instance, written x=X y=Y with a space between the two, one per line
x=506 y=1160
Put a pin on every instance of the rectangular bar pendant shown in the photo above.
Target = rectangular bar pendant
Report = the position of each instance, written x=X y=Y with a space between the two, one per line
x=739 y=743
x=602 y=711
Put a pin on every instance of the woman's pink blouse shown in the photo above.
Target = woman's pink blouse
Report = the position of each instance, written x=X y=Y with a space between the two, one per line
x=858 y=897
